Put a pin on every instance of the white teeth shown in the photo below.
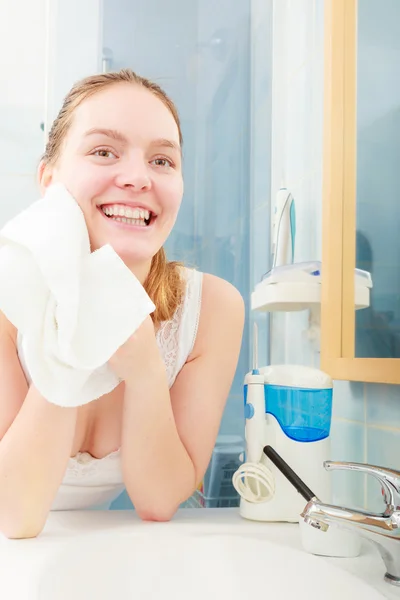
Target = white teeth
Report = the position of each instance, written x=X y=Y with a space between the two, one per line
x=118 y=210
x=137 y=222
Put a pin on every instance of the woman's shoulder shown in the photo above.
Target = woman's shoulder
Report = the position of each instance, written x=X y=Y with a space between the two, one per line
x=218 y=292
x=222 y=312
x=215 y=290
x=221 y=318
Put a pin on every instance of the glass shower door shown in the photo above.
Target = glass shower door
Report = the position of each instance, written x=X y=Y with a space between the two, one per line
x=202 y=53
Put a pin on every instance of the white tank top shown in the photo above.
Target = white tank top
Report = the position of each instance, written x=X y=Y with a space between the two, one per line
x=92 y=482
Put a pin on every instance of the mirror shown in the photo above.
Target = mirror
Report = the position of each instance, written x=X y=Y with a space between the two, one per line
x=378 y=169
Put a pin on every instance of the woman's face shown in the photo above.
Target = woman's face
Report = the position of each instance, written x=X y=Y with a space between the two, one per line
x=121 y=160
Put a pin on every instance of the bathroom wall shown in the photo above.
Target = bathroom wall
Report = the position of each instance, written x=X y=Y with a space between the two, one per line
x=366 y=423
x=260 y=165
x=22 y=101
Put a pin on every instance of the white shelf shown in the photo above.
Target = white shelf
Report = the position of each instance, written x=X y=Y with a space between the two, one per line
x=287 y=296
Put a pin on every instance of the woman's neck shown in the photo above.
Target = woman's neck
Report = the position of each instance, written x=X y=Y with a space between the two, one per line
x=140 y=271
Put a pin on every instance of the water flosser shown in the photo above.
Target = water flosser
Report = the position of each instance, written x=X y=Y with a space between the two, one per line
x=297 y=426
x=254 y=408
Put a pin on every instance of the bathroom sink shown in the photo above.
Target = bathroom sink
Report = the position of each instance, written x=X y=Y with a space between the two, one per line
x=151 y=564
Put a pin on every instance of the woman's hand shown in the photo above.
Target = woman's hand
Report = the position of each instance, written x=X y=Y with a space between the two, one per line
x=138 y=352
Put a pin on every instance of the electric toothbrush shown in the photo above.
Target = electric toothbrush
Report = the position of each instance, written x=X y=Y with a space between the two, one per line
x=283 y=229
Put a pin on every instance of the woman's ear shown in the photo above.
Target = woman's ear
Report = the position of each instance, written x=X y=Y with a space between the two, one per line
x=44 y=176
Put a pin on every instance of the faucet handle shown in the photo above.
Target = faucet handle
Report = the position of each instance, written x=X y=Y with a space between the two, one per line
x=388 y=478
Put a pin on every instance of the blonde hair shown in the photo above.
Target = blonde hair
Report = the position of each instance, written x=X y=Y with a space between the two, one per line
x=164 y=284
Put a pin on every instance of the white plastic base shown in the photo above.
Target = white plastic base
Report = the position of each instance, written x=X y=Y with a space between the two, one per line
x=293 y=296
x=306 y=459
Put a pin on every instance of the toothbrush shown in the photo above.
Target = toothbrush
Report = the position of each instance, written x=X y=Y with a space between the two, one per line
x=290 y=475
x=255 y=408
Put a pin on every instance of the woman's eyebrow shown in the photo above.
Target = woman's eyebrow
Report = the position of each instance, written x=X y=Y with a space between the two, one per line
x=117 y=135
x=162 y=142
x=111 y=133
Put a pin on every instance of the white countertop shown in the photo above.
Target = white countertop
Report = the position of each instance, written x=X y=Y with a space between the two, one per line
x=27 y=559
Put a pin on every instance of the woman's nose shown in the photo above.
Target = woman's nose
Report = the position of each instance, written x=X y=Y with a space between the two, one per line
x=134 y=176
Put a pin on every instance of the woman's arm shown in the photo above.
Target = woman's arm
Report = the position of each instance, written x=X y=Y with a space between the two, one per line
x=36 y=441
x=168 y=437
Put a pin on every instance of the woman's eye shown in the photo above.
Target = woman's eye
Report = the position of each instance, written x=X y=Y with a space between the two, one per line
x=104 y=153
x=162 y=162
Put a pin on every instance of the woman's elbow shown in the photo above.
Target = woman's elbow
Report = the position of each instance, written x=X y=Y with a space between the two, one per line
x=159 y=514
x=22 y=534
x=20 y=531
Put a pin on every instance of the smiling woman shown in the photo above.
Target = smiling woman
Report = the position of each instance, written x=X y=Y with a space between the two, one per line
x=117 y=142
x=116 y=146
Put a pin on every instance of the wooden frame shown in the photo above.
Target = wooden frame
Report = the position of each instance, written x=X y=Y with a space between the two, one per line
x=339 y=204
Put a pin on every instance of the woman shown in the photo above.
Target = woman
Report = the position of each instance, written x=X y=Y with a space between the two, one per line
x=116 y=146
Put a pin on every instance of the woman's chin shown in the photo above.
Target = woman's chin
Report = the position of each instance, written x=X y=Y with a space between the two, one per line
x=136 y=256
x=135 y=260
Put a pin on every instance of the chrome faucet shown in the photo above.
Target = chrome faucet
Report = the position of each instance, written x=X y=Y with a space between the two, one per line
x=383 y=529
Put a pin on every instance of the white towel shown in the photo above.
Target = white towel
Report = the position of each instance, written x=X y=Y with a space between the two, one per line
x=73 y=307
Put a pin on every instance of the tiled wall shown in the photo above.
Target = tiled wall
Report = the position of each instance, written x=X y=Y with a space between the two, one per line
x=366 y=423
